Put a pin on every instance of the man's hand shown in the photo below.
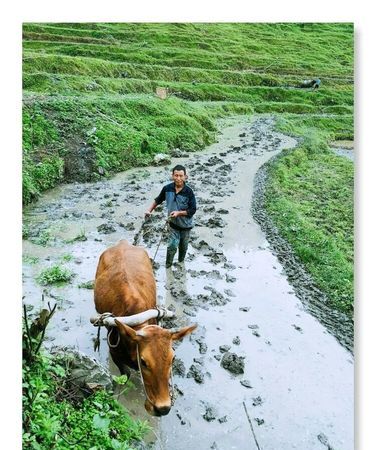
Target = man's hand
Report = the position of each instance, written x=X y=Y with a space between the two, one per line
x=147 y=214
x=175 y=214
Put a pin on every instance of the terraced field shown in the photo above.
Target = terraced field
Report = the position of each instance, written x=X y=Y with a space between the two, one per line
x=89 y=89
x=90 y=110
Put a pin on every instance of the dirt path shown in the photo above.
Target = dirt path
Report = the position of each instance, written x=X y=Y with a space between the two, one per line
x=256 y=351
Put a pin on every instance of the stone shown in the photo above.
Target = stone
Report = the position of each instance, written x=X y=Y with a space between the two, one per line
x=161 y=159
x=85 y=372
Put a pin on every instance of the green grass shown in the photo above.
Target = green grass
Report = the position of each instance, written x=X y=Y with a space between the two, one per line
x=29 y=259
x=310 y=199
x=51 y=420
x=87 y=285
x=55 y=275
x=128 y=132
x=85 y=76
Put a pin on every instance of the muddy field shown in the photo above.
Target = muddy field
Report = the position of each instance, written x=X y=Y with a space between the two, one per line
x=260 y=371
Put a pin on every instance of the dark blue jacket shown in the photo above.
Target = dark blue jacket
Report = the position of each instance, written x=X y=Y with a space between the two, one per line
x=185 y=200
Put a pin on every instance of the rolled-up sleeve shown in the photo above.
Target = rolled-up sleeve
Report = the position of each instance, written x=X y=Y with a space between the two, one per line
x=161 y=197
x=191 y=205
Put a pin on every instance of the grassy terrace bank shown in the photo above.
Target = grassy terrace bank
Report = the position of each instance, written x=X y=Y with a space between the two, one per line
x=89 y=103
x=310 y=199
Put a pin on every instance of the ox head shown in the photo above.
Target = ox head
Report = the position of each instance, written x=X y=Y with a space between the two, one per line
x=155 y=355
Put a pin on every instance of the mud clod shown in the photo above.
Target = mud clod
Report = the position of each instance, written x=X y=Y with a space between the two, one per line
x=210 y=413
x=224 y=348
x=203 y=348
x=324 y=440
x=233 y=363
x=257 y=401
x=259 y=421
x=196 y=373
x=178 y=367
x=106 y=228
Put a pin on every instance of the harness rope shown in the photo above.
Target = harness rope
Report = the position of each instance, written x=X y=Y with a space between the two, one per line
x=138 y=234
x=99 y=322
x=160 y=240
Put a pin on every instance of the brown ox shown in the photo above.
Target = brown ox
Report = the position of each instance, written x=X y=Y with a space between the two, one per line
x=124 y=286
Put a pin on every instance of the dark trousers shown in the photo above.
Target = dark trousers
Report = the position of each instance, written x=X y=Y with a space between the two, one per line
x=177 y=239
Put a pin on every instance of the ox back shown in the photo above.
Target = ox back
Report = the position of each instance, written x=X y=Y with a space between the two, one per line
x=124 y=281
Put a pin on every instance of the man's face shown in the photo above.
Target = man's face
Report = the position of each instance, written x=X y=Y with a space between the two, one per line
x=179 y=177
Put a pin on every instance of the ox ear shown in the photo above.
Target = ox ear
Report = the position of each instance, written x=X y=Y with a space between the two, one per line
x=176 y=335
x=126 y=331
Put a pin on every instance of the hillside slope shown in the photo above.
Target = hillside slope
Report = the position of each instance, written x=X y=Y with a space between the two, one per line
x=90 y=107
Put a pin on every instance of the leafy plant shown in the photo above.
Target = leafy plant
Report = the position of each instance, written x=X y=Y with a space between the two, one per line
x=87 y=285
x=52 y=418
x=28 y=259
x=81 y=237
x=55 y=274
x=66 y=257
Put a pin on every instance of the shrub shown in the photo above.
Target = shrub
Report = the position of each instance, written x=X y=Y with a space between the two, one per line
x=54 y=275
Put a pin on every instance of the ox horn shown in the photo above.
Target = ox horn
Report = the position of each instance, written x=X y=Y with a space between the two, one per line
x=136 y=319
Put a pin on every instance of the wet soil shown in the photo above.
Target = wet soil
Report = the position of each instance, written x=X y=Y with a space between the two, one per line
x=344 y=148
x=260 y=370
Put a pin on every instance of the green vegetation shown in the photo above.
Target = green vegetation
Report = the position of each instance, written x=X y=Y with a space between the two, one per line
x=310 y=199
x=45 y=237
x=81 y=237
x=67 y=257
x=54 y=416
x=28 y=259
x=50 y=421
x=55 y=275
x=89 y=89
x=87 y=285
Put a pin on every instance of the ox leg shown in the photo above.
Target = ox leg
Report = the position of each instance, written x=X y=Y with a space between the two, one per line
x=123 y=368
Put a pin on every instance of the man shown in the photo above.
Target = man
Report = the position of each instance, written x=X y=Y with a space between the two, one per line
x=181 y=206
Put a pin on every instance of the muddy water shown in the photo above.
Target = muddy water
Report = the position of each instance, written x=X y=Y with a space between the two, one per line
x=296 y=390
x=344 y=148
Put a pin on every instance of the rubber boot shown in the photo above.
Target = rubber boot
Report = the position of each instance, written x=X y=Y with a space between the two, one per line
x=183 y=247
x=170 y=257
x=182 y=254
